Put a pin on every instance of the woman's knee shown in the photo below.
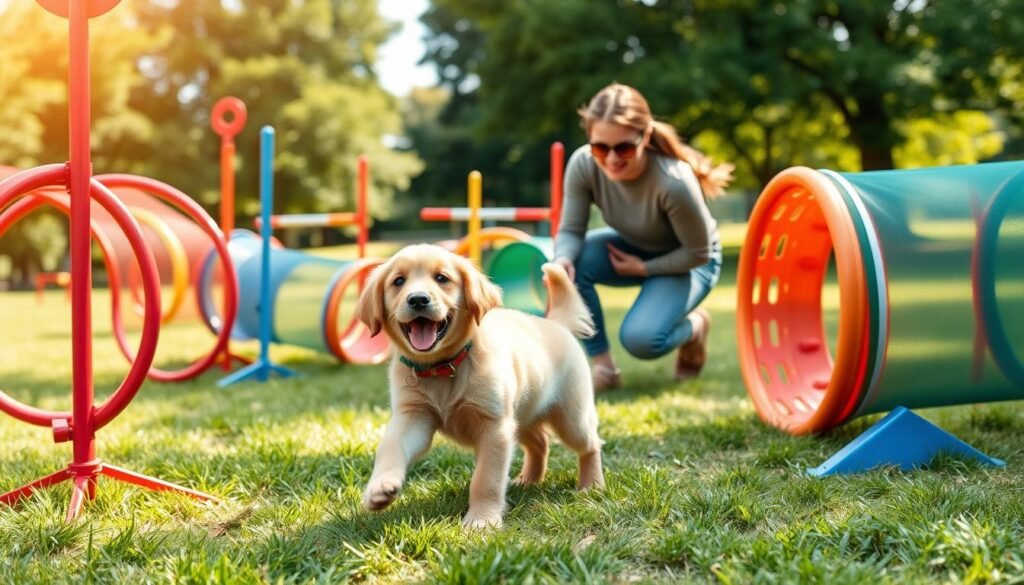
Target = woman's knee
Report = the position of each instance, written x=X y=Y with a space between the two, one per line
x=645 y=343
x=593 y=264
x=589 y=265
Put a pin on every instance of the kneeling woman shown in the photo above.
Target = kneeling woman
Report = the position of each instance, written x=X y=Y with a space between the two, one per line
x=650 y=189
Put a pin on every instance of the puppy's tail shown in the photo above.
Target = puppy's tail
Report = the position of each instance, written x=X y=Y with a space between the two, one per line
x=565 y=305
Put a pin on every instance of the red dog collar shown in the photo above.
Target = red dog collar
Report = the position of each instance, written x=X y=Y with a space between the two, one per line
x=442 y=368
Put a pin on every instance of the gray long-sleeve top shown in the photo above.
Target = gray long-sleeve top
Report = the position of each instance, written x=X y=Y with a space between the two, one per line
x=661 y=211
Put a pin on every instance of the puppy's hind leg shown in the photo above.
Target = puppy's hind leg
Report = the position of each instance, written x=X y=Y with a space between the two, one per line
x=575 y=423
x=535 y=455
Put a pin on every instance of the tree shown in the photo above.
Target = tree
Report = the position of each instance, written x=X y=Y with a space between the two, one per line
x=562 y=53
x=33 y=85
x=34 y=112
x=766 y=84
x=446 y=129
x=881 y=64
x=305 y=67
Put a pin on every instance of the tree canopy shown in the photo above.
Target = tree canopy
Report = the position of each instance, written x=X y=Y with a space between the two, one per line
x=303 y=66
x=844 y=84
x=848 y=84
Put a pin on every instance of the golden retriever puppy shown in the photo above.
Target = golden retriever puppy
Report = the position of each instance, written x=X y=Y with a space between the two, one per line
x=485 y=376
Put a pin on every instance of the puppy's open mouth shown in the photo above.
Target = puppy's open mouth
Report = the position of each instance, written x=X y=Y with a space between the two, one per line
x=423 y=334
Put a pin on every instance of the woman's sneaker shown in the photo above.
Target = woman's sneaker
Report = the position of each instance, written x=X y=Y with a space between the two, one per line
x=605 y=378
x=692 y=354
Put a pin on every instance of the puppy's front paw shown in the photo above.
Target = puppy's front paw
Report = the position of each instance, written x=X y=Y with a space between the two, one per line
x=380 y=493
x=481 y=519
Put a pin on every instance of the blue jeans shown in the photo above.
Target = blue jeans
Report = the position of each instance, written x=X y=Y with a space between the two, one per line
x=656 y=323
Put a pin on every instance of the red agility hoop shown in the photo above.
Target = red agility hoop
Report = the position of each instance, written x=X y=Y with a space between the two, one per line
x=37 y=199
x=80 y=425
x=50 y=176
x=60 y=201
x=183 y=203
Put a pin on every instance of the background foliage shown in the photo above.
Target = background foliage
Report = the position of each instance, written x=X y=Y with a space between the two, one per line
x=158 y=67
x=843 y=84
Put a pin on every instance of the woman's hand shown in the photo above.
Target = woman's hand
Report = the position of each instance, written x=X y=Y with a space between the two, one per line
x=570 y=268
x=626 y=264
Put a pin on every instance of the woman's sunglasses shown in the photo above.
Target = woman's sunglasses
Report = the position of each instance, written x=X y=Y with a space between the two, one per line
x=623 y=150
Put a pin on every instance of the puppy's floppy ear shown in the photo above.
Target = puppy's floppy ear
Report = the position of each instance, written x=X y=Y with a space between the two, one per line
x=370 y=307
x=480 y=293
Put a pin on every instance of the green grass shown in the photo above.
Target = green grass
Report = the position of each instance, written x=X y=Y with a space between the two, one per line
x=698 y=489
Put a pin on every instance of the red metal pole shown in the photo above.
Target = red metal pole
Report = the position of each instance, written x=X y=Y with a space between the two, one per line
x=557 y=167
x=227 y=119
x=227 y=187
x=80 y=170
x=362 y=204
x=227 y=130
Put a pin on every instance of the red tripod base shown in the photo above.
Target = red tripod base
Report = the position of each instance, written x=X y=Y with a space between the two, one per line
x=85 y=478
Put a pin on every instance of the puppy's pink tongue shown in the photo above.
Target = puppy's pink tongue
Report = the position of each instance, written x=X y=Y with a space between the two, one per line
x=422 y=334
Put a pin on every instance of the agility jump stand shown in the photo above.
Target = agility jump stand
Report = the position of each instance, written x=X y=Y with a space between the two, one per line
x=61 y=279
x=474 y=214
x=262 y=368
x=227 y=120
x=293 y=275
x=80 y=425
x=358 y=218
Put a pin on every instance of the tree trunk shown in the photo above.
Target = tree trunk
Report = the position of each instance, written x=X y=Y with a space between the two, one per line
x=872 y=132
x=23 y=271
x=875 y=158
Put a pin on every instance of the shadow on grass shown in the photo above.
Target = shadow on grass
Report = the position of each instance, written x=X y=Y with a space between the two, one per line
x=293 y=515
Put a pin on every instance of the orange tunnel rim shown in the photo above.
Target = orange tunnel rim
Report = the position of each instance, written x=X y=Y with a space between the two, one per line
x=341 y=342
x=845 y=382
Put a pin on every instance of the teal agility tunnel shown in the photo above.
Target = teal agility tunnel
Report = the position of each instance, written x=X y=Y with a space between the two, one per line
x=929 y=266
x=306 y=301
x=515 y=267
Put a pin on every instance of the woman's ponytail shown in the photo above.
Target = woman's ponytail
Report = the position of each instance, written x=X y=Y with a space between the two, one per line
x=713 y=178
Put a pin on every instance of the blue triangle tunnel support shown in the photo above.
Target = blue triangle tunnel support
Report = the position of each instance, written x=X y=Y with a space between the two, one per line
x=260 y=369
x=902 y=439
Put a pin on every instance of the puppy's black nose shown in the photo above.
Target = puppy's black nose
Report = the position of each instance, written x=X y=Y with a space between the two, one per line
x=418 y=300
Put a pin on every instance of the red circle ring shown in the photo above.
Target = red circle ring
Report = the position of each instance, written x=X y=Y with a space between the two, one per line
x=56 y=176
x=218 y=117
x=93 y=8
x=190 y=208
x=182 y=203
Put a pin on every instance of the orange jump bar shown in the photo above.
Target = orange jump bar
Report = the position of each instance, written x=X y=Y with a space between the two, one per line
x=486 y=213
x=302 y=220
